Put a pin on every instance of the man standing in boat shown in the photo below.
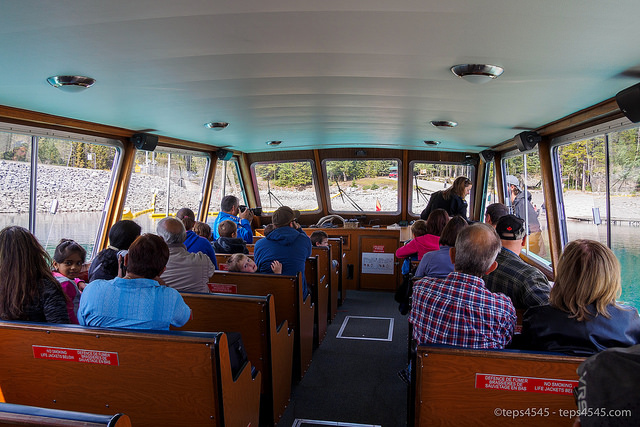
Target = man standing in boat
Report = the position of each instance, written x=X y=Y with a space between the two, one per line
x=524 y=209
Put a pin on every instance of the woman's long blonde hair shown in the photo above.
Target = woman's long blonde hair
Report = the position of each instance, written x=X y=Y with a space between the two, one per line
x=588 y=273
x=24 y=264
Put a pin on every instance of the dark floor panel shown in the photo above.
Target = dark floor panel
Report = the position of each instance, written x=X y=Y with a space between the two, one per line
x=372 y=328
x=318 y=423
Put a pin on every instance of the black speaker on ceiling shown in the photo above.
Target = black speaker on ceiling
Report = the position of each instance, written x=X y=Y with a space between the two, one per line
x=487 y=155
x=527 y=140
x=144 y=141
x=224 y=154
x=629 y=102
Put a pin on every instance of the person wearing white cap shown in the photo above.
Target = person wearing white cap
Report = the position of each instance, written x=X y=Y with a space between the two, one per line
x=525 y=210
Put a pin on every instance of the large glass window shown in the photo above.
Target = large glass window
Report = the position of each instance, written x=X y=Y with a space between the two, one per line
x=491 y=188
x=599 y=174
x=363 y=185
x=525 y=198
x=73 y=182
x=164 y=181
x=15 y=176
x=290 y=184
x=431 y=177
x=226 y=182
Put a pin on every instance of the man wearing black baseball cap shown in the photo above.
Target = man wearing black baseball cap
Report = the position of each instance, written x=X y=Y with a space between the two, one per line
x=288 y=244
x=523 y=283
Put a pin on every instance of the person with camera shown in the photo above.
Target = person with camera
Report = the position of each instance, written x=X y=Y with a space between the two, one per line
x=230 y=210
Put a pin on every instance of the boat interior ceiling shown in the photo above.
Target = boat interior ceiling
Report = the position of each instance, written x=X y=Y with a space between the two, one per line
x=319 y=74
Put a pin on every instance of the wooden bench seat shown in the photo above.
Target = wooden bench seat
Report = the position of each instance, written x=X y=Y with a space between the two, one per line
x=317 y=282
x=455 y=386
x=156 y=378
x=289 y=305
x=23 y=415
x=268 y=345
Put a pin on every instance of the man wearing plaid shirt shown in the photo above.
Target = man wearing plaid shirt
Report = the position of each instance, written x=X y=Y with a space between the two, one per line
x=459 y=310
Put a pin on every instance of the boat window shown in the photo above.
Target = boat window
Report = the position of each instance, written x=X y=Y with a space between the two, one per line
x=363 y=185
x=431 y=177
x=72 y=176
x=227 y=181
x=164 y=181
x=526 y=200
x=491 y=188
x=15 y=175
x=290 y=184
x=599 y=174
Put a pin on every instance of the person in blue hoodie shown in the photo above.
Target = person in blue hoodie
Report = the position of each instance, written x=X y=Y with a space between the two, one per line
x=288 y=243
x=195 y=243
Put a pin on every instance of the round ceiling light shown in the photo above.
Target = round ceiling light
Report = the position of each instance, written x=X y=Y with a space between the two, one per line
x=432 y=143
x=274 y=143
x=71 y=83
x=477 y=73
x=444 y=124
x=216 y=125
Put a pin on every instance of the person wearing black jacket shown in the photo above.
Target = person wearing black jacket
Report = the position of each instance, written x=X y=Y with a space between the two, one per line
x=451 y=199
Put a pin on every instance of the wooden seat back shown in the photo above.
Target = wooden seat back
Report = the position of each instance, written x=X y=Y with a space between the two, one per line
x=156 y=378
x=338 y=270
x=289 y=305
x=457 y=386
x=326 y=271
x=319 y=296
x=269 y=346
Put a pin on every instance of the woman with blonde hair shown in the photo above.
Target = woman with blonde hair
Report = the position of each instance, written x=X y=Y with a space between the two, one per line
x=451 y=199
x=583 y=316
x=28 y=290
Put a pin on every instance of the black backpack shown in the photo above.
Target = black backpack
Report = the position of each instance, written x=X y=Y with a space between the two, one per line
x=404 y=292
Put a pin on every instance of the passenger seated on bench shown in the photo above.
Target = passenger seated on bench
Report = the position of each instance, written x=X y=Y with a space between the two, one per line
x=202 y=229
x=523 y=283
x=288 y=243
x=459 y=310
x=582 y=317
x=229 y=242
x=192 y=241
x=438 y=263
x=319 y=238
x=244 y=264
x=494 y=212
x=426 y=235
x=268 y=229
x=186 y=271
x=136 y=301
x=105 y=264
x=68 y=259
x=28 y=290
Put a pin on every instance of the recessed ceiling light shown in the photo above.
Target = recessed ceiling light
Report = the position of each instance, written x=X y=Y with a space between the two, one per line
x=444 y=124
x=216 y=125
x=432 y=143
x=477 y=73
x=274 y=143
x=71 y=83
